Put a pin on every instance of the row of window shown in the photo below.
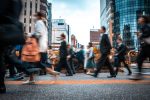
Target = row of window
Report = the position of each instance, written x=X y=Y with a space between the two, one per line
x=29 y=28
x=25 y=13
x=25 y=8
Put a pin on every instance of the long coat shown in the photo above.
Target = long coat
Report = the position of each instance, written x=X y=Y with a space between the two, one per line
x=105 y=45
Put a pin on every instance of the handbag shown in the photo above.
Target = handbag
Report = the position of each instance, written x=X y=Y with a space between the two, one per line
x=11 y=31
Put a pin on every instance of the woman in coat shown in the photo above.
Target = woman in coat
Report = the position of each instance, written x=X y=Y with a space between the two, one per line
x=90 y=59
x=39 y=48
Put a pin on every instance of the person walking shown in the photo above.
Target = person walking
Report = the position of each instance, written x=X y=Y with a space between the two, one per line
x=41 y=34
x=63 y=54
x=10 y=11
x=81 y=56
x=90 y=59
x=144 y=37
x=105 y=48
x=70 y=58
x=121 y=52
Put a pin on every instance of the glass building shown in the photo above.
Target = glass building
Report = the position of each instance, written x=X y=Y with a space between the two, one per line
x=125 y=19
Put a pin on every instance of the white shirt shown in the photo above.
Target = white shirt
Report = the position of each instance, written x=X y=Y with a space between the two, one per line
x=41 y=30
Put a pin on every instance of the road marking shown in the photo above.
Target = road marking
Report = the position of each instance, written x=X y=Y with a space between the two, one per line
x=69 y=82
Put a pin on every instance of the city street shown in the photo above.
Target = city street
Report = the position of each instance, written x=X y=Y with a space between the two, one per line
x=79 y=87
x=64 y=37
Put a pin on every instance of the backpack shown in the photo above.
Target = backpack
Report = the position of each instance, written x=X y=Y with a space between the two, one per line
x=30 y=51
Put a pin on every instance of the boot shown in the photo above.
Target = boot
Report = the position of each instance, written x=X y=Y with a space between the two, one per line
x=2 y=84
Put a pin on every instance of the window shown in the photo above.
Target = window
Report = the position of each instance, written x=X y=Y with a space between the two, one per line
x=24 y=12
x=36 y=7
x=24 y=20
x=24 y=28
x=30 y=12
x=30 y=21
x=25 y=5
x=60 y=23
x=30 y=29
x=30 y=4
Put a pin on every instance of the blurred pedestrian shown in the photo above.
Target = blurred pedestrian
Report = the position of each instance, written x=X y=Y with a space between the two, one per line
x=144 y=37
x=90 y=59
x=81 y=56
x=41 y=35
x=121 y=53
x=63 y=54
x=70 y=58
x=9 y=18
x=105 y=48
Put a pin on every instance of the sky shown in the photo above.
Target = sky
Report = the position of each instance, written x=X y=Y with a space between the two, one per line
x=81 y=15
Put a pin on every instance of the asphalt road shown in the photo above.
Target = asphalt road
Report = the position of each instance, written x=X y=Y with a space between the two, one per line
x=79 y=87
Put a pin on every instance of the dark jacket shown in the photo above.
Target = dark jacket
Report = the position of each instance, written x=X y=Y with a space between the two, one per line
x=80 y=55
x=121 y=51
x=10 y=8
x=105 y=45
x=145 y=29
x=71 y=53
x=63 y=50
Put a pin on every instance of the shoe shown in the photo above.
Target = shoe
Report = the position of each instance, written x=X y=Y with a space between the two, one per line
x=129 y=74
x=2 y=89
x=29 y=82
x=69 y=75
x=94 y=75
x=112 y=76
x=18 y=78
x=55 y=73
x=137 y=76
x=88 y=73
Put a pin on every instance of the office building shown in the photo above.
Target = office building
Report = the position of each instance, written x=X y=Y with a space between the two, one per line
x=95 y=36
x=59 y=26
x=30 y=7
x=49 y=23
x=124 y=15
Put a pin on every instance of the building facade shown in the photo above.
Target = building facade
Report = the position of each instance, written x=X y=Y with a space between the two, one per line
x=59 y=26
x=95 y=37
x=127 y=13
x=30 y=7
x=49 y=23
x=107 y=16
x=124 y=15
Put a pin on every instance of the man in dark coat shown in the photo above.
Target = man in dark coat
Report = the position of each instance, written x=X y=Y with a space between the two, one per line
x=81 y=56
x=121 y=52
x=105 y=48
x=144 y=37
x=63 y=53
x=70 y=58
x=11 y=8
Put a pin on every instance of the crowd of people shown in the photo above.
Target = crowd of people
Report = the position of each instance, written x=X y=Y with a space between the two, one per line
x=33 y=55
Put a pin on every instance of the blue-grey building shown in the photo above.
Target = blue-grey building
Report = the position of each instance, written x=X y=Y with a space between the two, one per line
x=49 y=23
x=124 y=15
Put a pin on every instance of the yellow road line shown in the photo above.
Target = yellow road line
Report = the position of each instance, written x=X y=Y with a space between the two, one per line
x=67 y=82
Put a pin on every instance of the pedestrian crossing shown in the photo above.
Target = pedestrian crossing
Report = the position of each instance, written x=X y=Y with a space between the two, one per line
x=86 y=82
